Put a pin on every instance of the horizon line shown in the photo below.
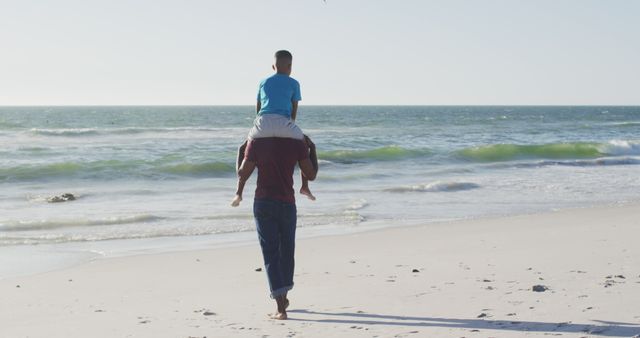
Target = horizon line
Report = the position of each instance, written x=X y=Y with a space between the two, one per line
x=322 y=105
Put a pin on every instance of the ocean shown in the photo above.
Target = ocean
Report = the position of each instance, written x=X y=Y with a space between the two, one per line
x=151 y=179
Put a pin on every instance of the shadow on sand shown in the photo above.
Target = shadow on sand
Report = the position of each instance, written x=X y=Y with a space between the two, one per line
x=605 y=328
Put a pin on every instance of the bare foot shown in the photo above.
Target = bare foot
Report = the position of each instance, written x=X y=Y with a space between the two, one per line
x=305 y=191
x=236 y=201
x=278 y=316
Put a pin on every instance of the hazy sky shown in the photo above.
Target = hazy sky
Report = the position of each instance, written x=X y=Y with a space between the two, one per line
x=345 y=51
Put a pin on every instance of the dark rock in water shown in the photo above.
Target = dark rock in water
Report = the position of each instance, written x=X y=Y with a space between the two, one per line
x=415 y=270
x=62 y=198
x=258 y=269
x=539 y=288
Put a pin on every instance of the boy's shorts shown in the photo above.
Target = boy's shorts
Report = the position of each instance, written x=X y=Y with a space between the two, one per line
x=273 y=125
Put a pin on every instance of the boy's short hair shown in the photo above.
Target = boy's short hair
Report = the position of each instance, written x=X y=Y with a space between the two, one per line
x=283 y=55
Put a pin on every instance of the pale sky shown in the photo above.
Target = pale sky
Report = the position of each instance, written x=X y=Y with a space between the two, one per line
x=214 y=52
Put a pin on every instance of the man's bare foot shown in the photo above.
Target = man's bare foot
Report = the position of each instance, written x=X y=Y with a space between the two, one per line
x=236 y=201
x=278 y=316
x=305 y=191
x=283 y=304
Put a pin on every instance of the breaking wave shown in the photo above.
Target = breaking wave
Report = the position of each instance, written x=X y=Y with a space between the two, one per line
x=578 y=150
x=436 y=187
x=388 y=153
x=114 y=169
x=65 y=223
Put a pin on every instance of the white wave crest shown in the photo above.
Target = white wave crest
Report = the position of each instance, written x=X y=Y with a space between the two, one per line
x=45 y=224
x=65 y=132
x=357 y=205
x=437 y=186
x=621 y=147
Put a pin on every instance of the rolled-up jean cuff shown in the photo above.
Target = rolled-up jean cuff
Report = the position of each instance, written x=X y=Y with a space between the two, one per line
x=281 y=291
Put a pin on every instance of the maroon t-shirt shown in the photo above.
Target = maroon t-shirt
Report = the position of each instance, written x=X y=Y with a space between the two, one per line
x=275 y=158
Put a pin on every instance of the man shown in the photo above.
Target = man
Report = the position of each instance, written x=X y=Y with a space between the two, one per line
x=274 y=207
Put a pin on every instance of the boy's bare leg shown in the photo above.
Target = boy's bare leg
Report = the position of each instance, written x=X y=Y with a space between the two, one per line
x=304 y=190
x=238 y=197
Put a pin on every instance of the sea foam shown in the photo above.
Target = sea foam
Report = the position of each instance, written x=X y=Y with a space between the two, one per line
x=437 y=186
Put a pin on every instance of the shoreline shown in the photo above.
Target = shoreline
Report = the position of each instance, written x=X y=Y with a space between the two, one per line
x=74 y=254
x=472 y=276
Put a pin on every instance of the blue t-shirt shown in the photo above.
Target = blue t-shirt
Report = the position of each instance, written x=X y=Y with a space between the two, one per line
x=276 y=93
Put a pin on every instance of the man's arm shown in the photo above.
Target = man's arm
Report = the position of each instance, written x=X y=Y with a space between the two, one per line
x=258 y=106
x=294 y=109
x=245 y=170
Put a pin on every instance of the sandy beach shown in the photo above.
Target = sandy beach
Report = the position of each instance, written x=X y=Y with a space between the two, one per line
x=460 y=279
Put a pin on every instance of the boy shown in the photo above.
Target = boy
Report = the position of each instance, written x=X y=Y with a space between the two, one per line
x=277 y=107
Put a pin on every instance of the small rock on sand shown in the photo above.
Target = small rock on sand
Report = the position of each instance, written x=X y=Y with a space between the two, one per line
x=258 y=269
x=415 y=270
x=208 y=313
x=539 y=288
x=482 y=315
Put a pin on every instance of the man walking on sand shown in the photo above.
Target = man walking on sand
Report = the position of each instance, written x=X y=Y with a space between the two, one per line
x=274 y=207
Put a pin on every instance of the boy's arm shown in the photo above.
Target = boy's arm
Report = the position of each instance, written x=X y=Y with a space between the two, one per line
x=294 y=109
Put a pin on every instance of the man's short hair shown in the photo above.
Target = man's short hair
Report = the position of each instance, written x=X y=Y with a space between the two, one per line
x=283 y=55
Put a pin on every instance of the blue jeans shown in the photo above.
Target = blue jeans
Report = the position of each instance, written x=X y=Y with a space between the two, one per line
x=276 y=225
